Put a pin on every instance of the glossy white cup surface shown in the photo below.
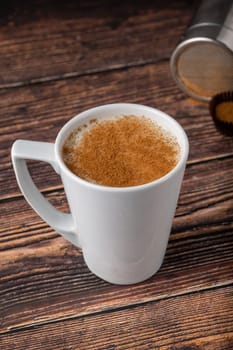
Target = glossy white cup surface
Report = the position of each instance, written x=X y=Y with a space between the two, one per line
x=123 y=231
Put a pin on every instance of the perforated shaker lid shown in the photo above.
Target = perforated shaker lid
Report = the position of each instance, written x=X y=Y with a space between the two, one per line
x=203 y=67
x=202 y=64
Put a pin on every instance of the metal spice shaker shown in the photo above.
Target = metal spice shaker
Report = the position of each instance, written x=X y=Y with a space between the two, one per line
x=202 y=64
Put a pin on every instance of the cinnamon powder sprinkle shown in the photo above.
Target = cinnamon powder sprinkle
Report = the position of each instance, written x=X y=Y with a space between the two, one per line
x=121 y=152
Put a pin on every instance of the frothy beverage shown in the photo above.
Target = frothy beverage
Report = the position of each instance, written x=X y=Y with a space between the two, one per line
x=121 y=152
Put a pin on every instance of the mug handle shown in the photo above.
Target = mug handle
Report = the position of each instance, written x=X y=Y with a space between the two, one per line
x=41 y=151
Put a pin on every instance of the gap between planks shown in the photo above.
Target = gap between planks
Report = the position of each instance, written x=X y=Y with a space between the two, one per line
x=72 y=75
x=190 y=291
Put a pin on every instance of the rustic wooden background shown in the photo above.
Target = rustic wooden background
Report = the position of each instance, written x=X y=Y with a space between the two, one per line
x=60 y=58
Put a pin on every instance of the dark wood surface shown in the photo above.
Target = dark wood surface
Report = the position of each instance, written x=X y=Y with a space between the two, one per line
x=60 y=58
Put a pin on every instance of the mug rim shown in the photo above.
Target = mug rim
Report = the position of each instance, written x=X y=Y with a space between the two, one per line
x=61 y=135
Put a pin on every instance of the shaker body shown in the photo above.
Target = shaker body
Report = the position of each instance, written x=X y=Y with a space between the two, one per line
x=202 y=64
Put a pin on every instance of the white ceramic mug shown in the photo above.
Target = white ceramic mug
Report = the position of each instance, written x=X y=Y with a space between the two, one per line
x=123 y=232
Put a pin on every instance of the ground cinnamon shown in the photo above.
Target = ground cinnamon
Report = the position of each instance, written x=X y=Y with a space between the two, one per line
x=126 y=151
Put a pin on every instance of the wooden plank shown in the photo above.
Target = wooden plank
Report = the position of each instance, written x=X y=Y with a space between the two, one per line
x=44 y=278
x=200 y=321
x=206 y=195
x=41 y=41
x=49 y=299
x=206 y=199
x=39 y=111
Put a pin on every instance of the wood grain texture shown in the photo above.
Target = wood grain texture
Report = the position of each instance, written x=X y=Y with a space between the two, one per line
x=44 y=278
x=192 y=322
x=43 y=40
x=39 y=111
x=206 y=199
x=60 y=58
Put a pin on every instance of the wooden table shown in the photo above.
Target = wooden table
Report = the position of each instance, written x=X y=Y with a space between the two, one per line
x=58 y=59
